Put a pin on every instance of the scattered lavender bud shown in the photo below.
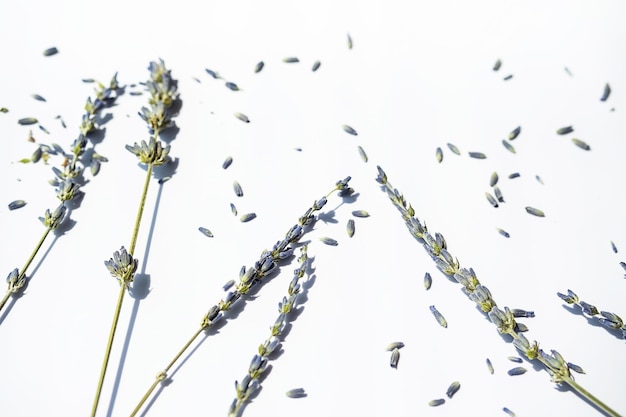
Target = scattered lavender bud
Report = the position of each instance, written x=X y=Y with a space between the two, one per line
x=360 y=213
x=439 y=155
x=227 y=162
x=439 y=317
x=205 y=231
x=394 y=345
x=14 y=205
x=534 y=211
x=428 y=281
x=515 y=133
x=515 y=359
x=437 y=402
x=453 y=389
x=349 y=129
x=247 y=217
x=296 y=393
x=350 y=227
x=519 y=370
x=329 y=241
x=489 y=366
x=454 y=149
x=395 y=357
x=565 y=130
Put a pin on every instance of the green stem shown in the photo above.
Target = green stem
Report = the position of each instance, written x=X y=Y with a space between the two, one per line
x=142 y=203
x=162 y=375
x=26 y=265
x=123 y=286
x=591 y=398
x=107 y=354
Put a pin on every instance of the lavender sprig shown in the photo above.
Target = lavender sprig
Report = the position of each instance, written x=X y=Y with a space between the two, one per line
x=68 y=179
x=248 y=278
x=251 y=382
x=163 y=94
x=504 y=320
x=609 y=320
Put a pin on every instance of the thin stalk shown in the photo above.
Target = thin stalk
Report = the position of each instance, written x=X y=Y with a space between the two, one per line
x=162 y=374
x=27 y=264
x=123 y=287
x=593 y=399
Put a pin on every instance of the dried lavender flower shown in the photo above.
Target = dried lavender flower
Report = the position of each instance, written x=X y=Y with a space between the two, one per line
x=296 y=393
x=395 y=358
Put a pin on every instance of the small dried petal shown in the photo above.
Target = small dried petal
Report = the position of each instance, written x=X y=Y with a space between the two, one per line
x=394 y=345
x=515 y=133
x=582 y=145
x=205 y=231
x=349 y=129
x=247 y=217
x=50 y=51
x=453 y=389
x=508 y=146
x=14 y=205
x=437 y=402
x=606 y=92
x=360 y=213
x=489 y=366
x=27 y=121
x=237 y=188
x=535 y=212
x=509 y=412
x=232 y=86
x=477 y=155
x=362 y=154
x=438 y=316
x=493 y=180
x=296 y=393
x=350 y=227
x=329 y=241
x=454 y=149
x=491 y=199
x=565 y=130
x=519 y=370
x=428 y=281
x=503 y=232
x=439 y=155
x=242 y=117
x=395 y=357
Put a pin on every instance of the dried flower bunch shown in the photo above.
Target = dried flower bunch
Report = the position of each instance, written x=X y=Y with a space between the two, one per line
x=69 y=179
x=249 y=278
x=163 y=97
x=609 y=320
x=504 y=320
x=249 y=385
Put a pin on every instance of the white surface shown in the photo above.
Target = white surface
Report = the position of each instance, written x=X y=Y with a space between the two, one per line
x=419 y=76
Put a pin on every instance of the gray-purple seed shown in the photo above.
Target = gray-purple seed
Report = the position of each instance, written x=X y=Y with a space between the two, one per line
x=394 y=345
x=493 y=180
x=329 y=241
x=515 y=359
x=316 y=66
x=606 y=92
x=498 y=194
x=518 y=370
x=477 y=155
x=291 y=60
x=491 y=199
x=565 y=130
x=38 y=97
x=350 y=227
x=360 y=213
x=349 y=130
x=395 y=357
x=258 y=67
x=50 y=51
x=27 y=121
x=227 y=162
x=362 y=154
x=535 y=212
x=428 y=281
x=454 y=149
x=508 y=77
x=437 y=402
x=439 y=155
x=581 y=144
x=515 y=133
x=237 y=188
x=242 y=117
x=205 y=231
x=453 y=389
x=497 y=65
x=509 y=412
x=613 y=247
x=489 y=366
x=439 y=317
x=538 y=178
x=14 y=205
x=212 y=73
x=233 y=209
x=508 y=146
x=232 y=86
x=296 y=393
x=247 y=217
x=514 y=175
x=504 y=233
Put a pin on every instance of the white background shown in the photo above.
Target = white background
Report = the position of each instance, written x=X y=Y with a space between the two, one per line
x=419 y=76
